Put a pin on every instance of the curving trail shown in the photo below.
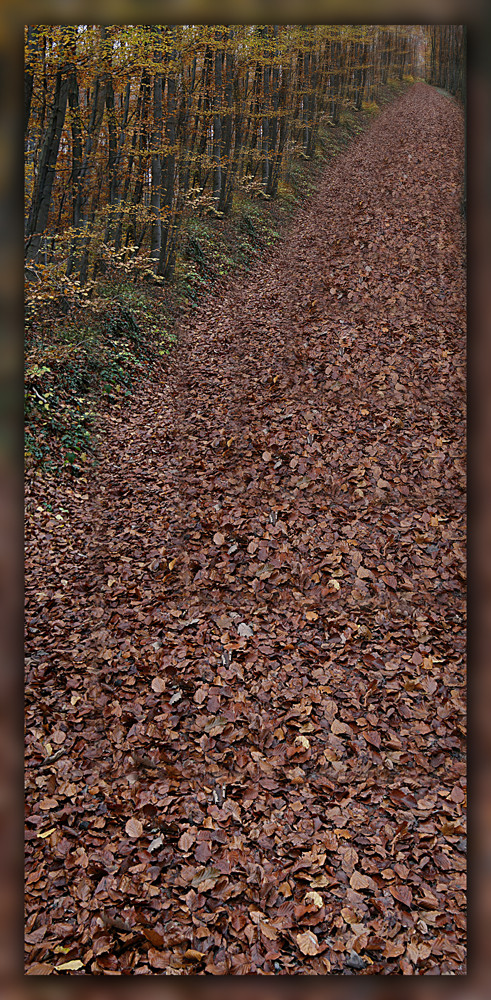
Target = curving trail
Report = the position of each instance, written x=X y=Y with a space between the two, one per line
x=246 y=637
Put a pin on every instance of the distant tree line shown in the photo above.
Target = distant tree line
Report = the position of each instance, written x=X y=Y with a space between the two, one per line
x=446 y=57
x=129 y=129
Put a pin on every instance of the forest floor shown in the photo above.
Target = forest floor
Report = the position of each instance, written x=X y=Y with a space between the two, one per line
x=245 y=688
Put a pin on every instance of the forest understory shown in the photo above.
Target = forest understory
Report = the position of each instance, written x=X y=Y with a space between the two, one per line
x=245 y=682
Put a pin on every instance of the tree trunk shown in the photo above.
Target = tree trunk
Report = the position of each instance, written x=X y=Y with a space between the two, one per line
x=157 y=135
x=43 y=186
x=217 y=125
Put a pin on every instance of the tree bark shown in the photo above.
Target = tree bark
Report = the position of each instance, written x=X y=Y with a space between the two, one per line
x=43 y=186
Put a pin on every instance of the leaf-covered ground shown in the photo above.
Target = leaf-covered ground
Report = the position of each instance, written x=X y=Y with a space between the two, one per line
x=245 y=668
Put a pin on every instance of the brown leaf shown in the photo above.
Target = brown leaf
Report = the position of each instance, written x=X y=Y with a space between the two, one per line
x=158 y=959
x=154 y=937
x=402 y=893
x=308 y=943
x=457 y=795
x=134 y=828
x=268 y=932
x=394 y=948
x=314 y=899
x=186 y=841
x=359 y=881
x=349 y=859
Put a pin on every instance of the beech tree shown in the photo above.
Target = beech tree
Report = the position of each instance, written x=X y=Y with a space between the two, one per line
x=129 y=129
x=446 y=57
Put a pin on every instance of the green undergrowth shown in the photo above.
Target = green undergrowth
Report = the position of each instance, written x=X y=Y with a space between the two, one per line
x=84 y=354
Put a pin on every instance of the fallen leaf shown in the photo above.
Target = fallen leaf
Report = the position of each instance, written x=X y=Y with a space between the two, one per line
x=134 y=828
x=302 y=741
x=218 y=538
x=402 y=893
x=314 y=899
x=308 y=943
x=158 y=959
x=186 y=841
x=270 y=933
x=158 y=685
x=245 y=630
x=358 y=881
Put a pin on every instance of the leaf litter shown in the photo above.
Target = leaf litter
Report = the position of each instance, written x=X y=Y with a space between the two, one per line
x=246 y=635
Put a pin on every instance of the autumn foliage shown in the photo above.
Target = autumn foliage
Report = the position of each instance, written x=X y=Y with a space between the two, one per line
x=132 y=129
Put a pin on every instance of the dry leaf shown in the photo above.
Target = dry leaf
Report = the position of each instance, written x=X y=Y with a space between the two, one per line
x=134 y=828
x=270 y=933
x=186 y=841
x=308 y=943
x=359 y=881
x=402 y=893
x=302 y=741
x=158 y=959
x=314 y=899
x=245 y=630
x=158 y=685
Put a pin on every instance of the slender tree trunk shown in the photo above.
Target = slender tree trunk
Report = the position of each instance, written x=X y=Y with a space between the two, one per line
x=157 y=136
x=217 y=125
x=43 y=186
x=227 y=131
x=170 y=161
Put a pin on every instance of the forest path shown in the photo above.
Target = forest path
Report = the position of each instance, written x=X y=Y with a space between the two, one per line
x=264 y=597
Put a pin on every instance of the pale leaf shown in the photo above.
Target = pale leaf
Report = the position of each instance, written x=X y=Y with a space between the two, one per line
x=134 y=828
x=308 y=943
